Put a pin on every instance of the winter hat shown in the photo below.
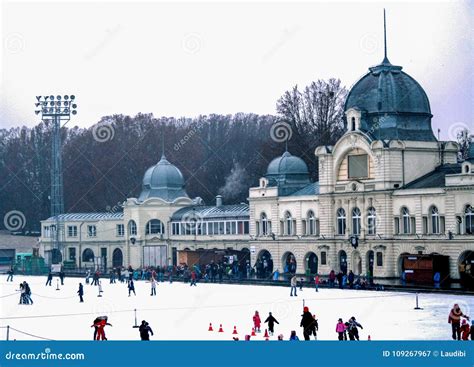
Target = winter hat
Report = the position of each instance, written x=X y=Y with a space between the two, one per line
x=340 y=320
x=464 y=322
x=306 y=309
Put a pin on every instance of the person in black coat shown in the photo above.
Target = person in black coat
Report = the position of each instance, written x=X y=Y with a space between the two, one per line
x=352 y=329
x=80 y=292
x=308 y=323
x=145 y=331
x=131 y=288
x=50 y=278
x=339 y=279
x=271 y=322
x=61 y=276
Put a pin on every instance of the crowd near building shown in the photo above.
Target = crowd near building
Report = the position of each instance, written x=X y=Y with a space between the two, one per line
x=389 y=195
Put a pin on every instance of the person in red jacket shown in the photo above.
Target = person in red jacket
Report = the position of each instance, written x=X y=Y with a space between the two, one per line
x=465 y=330
x=193 y=278
x=455 y=320
x=316 y=282
x=256 y=321
x=100 y=323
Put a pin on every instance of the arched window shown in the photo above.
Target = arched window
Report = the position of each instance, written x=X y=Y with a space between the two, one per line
x=264 y=225
x=87 y=255
x=341 y=221
x=155 y=226
x=353 y=124
x=469 y=219
x=435 y=220
x=406 y=220
x=288 y=224
x=311 y=223
x=371 y=221
x=132 y=228
x=356 y=221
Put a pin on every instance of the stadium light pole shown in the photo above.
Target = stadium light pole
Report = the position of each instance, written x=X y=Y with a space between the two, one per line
x=56 y=110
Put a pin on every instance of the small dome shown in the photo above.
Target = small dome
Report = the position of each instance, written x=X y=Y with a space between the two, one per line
x=287 y=164
x=163 y=180
x=393 y=104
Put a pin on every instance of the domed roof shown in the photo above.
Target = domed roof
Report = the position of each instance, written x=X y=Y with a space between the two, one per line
x=163 y=180
x=392 y=103
x=287 y=164
x=289 y=173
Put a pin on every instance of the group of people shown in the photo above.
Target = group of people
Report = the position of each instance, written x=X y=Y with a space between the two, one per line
x=349 y=328
x=25 y=294
x=101 y=322
x=461 y=330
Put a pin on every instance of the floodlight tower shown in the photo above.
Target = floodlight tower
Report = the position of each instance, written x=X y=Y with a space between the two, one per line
x=56 y=110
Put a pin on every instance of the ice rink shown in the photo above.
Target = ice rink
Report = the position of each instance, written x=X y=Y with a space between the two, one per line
x=181 y=312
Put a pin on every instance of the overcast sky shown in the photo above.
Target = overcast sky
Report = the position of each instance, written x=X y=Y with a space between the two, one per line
x=191 y=58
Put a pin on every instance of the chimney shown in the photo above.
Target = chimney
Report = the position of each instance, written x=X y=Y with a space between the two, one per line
x=218 y=200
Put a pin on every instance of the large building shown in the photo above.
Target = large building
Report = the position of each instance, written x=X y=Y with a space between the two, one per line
x=386 y=189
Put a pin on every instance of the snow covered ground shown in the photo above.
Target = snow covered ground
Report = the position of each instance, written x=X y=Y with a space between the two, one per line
x=181 y=312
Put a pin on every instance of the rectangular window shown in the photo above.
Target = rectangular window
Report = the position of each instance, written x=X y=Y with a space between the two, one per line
x=233 y=228
x=92 y=231
x=221 y=227
x=204 y=228
x=442 y=225
x=72 y=253
x=246 y=227
x=358 y=166
x=413 y=225
x=227 y=228
x=425 y=225
x=379 y=259
x=396 y=225
x=317 y=227
x=120 y=230
x=305 y=230
x=323 y=258
x=46 y=232
x=72 y=231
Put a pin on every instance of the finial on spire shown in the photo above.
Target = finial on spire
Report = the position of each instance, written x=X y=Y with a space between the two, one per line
x=163 y=145
x=385 y=59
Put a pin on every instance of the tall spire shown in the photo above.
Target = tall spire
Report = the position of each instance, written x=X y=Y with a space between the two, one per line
x=385 y=59
x=163 y=145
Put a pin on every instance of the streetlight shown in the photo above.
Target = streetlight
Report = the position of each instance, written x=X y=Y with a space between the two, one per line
x=56 y=110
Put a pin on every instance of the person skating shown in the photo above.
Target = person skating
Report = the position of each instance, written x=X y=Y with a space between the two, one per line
x=22 y=294
x=153 y=286
x=95 y=279
x=131 y=287
x=316 y=282
x=256 y=322
x=350 y=279
x=315 y=328
x=10 y=274
x=271 y=323
x=193 y=278
x=80 y=292
x=293 y=336
x=339 y=279
x=340 y=329
x=61 y=277
x=352 y=329
x=100 y=324
x=49 y=279
x=455 y=320
x=88 y=275
x=27 y=293
x=308 y=323
x=471 y=332
x=293 y=284
x=145 y=331
x=332 y=278
x=465 y=330
x=301 y=283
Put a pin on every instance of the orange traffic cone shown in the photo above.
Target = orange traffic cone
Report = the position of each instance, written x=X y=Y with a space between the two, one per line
x=210 y=327
x=220 y=329
x=235 y=330
x=253 y=332
x=266 y=334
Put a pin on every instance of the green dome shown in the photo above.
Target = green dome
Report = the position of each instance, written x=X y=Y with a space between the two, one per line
x=392 y=103
x=289 y=173
x=163 y=180
x=287 y=164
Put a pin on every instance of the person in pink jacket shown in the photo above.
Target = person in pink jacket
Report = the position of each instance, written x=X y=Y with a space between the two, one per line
x=256 y=321
x=340 y=329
